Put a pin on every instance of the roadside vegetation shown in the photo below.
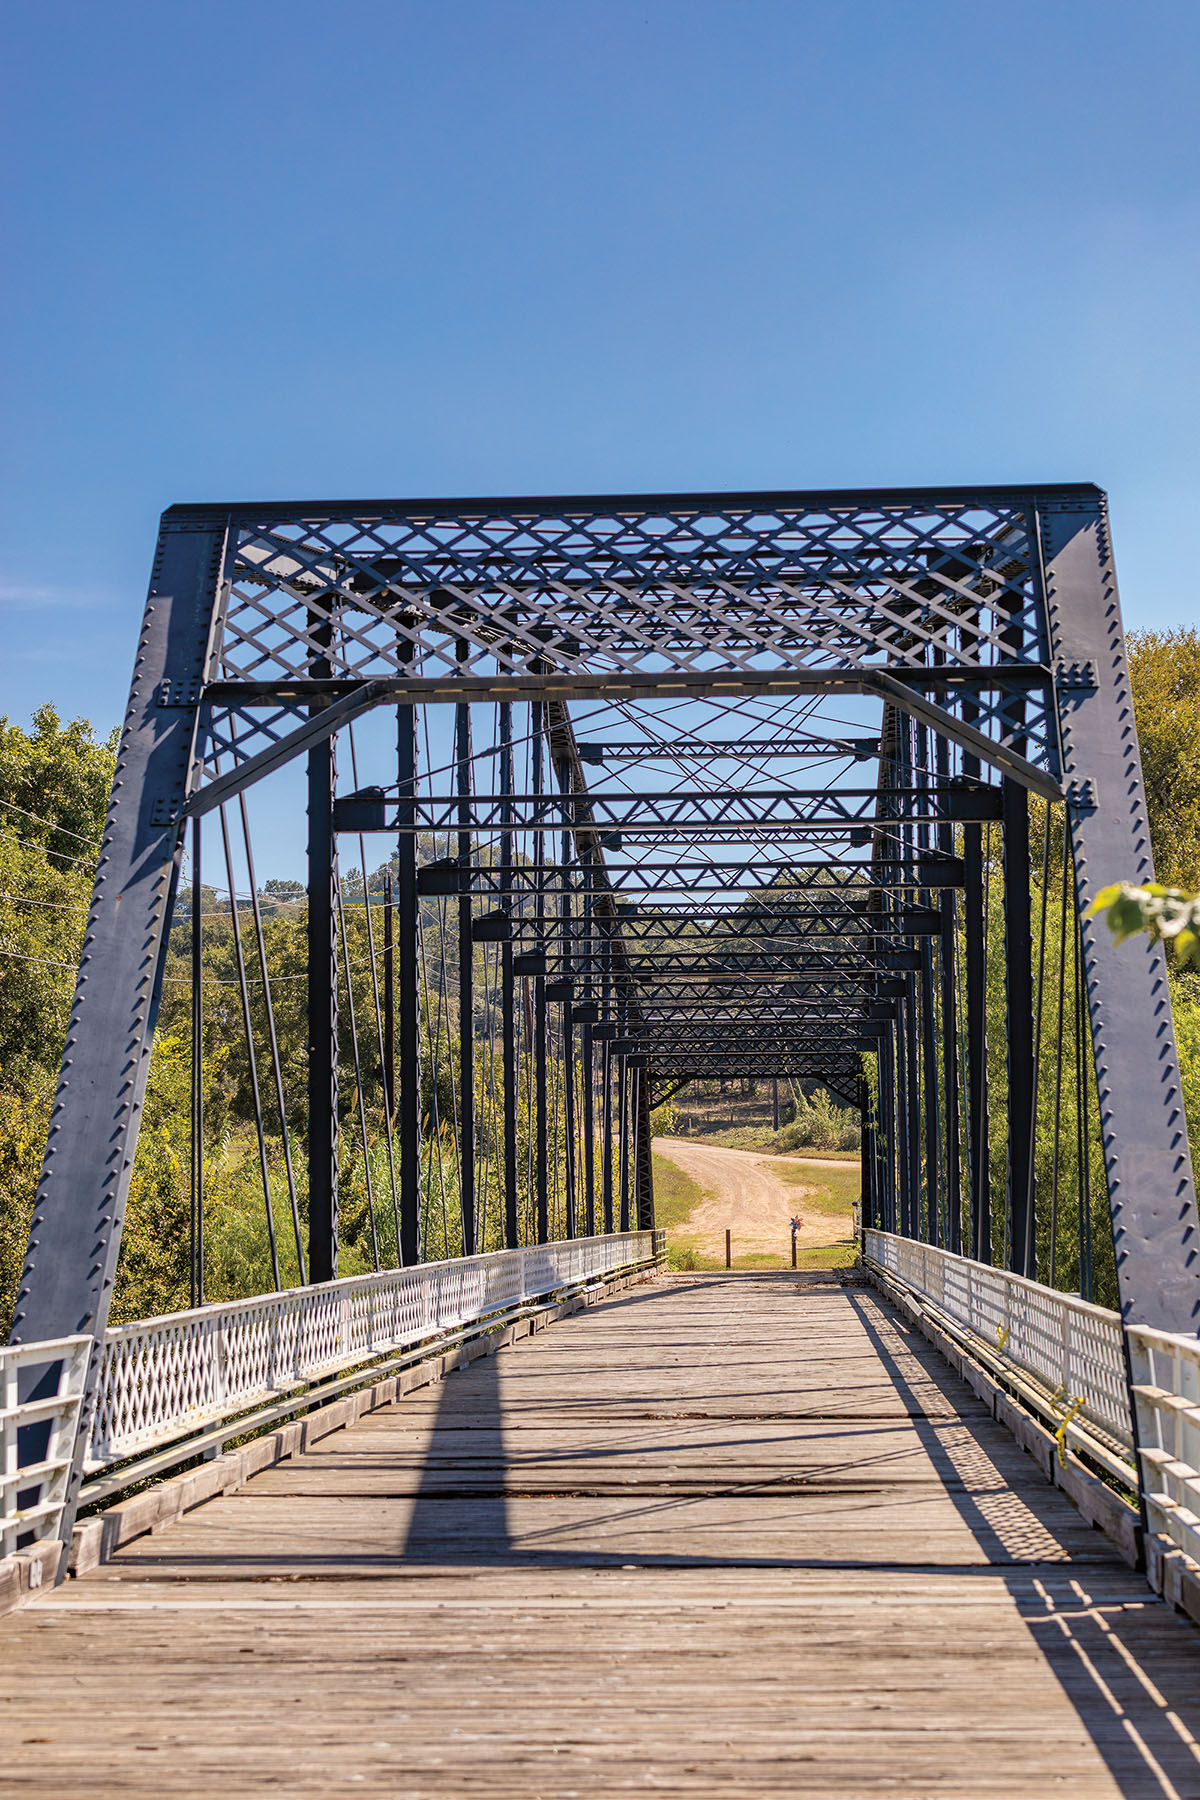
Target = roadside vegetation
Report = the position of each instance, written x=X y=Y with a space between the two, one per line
x=741 y=1115
x=54 y=783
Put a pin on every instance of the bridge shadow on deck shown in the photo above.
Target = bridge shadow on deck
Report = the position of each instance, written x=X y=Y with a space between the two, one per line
x=1141 y=1714
x=677 y=1443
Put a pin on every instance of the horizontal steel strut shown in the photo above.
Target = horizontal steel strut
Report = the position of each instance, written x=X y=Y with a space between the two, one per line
x=731 y=924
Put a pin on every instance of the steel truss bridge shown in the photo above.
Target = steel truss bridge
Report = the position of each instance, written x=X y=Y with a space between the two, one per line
x=811 y=788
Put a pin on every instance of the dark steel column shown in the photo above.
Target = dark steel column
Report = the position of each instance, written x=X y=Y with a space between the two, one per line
x=541 y=1166
x=606 y=1172
x=75 y=1235
x=934 y=1230
x=587 y=1061
x=934 y=1193
x=408 y=928
x=912 y=1109
x=322 y=1004
x=887 y=1120
x=567 y=970
x=196 y=1245
x=1018 y=1018
x=389 y=1000
x=466 y=994
x=643 y=1162
x=568 y=1040
x=948 y=962
x=508 y=995
x=1146 y=1156
x=870 y=1192
x=623 y=1111
x=975 y=978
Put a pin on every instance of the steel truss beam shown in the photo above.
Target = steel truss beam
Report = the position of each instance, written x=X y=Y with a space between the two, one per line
x=988 y=616
x=772 y=879
x=711 y=814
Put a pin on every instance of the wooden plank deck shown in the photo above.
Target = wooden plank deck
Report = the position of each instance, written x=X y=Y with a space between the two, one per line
x=723 y=1535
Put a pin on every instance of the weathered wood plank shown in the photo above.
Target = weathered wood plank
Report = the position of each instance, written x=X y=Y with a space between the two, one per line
x=728 y=1536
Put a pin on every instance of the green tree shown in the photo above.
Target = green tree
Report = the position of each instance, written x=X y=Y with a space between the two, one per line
x=54 y=786
x=1165 y=671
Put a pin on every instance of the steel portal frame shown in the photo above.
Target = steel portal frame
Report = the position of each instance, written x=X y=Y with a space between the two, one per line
x=984 y=620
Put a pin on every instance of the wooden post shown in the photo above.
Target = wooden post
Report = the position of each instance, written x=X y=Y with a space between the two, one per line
x=728 y=1248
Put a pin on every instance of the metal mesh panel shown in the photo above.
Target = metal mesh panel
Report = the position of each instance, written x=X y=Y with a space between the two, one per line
x=1071 y=1346
x=165 y=1377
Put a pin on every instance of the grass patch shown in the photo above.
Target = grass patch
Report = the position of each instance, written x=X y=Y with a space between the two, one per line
x=836 y=1189
x=676 y=1195
x=827 y=1256
x=814 y=1256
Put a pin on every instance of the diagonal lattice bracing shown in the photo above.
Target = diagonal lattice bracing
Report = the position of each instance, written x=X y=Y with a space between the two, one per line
x=724 y=787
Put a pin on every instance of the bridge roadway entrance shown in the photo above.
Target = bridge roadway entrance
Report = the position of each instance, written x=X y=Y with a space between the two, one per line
x=739 y=1535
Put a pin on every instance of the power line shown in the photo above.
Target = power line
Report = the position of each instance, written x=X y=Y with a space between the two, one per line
x=78 y=862
x=53 y=905
x=44 y=961
x=54 y=826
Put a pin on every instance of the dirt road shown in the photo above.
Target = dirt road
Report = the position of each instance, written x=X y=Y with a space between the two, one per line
x=749 y=1198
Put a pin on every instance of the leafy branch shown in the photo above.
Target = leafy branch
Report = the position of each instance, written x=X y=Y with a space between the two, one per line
x=1168 y=915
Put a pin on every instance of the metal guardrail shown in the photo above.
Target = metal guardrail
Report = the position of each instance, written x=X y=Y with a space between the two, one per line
x=1070 y=1347
x=1075 y=1351
x=163 y=1379
x=1166 y=1390
x=32 y=1493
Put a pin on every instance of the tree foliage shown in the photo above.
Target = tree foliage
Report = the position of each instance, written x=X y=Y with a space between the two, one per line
x=1165 y=671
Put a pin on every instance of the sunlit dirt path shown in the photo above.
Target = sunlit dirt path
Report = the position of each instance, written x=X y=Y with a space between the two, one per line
x=750 y=1198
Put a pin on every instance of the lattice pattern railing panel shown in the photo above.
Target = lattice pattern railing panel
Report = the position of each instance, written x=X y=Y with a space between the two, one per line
x=1166 y=1388
x=1070 y=1346
x=32 y=1496
x=163 y=1378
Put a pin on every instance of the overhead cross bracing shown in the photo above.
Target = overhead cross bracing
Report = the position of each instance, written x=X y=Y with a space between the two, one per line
x=742 y=785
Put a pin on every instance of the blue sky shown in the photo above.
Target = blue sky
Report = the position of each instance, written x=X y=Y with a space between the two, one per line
x=271 y=250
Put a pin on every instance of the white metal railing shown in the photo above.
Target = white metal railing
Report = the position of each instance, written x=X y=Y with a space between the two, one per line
x=1068 y=1345
x=31 y=1496
x=165 y=1378
x=1166 y=1388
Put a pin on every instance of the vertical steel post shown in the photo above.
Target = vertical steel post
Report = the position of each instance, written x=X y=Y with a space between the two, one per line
x=1018 y=1011
x=570 y=1222
x=623 y=1112
x=321 y=934
x=912 y=1097
x=408 y=929
x=1142 y=1120
x=975 y=980
x=948 y=963
x=566 y=971
x=389 y=1000
x=75 y=1235
x=587 y=1061
x=466 y=996
x=934 y=1231
x=508 y=995
x=887 y=1120
x=934 y=1193
x=870 y=1203
x=541 y=1167
x=606 y=1172
x=196 y=1245
x=644 y=1160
